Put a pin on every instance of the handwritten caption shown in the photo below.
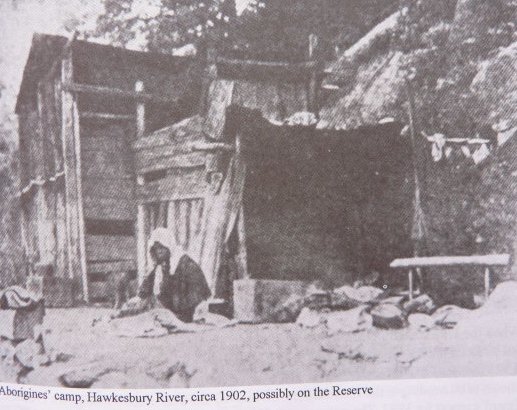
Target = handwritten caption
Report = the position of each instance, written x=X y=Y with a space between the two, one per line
x=193 y=396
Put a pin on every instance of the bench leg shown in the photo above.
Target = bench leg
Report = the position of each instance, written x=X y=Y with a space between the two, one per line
x=410 y=280
x=487 y=283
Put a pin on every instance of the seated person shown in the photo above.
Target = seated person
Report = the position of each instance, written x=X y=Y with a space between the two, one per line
x=176 y=282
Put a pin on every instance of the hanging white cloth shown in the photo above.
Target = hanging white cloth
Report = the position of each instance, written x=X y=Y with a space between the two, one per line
x=466 y=151
x=480 y=154
x=438 y=141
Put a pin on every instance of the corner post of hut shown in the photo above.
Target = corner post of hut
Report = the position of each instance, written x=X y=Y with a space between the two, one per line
x=140 y=218
x=72 y=169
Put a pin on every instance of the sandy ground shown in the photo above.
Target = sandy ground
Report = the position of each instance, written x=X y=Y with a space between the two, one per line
x=279 y=353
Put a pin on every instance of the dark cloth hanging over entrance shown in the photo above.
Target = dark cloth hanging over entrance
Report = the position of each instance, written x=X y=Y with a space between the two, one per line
x=325 y=206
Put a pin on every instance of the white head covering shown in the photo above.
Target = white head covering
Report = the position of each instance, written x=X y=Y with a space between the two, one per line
x=164 y=237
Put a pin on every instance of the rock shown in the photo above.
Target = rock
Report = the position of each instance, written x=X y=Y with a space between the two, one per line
x=347 y=297
x=493 y=86
x=30 y=354
x=121 y=380
x=421 y=321
x=362 y=351
x=449 y=316
x=6 y=350
x=181 y=376
x=204 y=316
x=369 y=280
x=9 y=372
x=388 y=316
x=407 y=357
x=311 y=318
x=85 y=376
x=289 y=310
x=317 y=300
x=421 y=304
x=394 y=300
x=351 y=321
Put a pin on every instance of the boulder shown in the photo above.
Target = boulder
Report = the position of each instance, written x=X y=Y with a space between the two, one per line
x=122 y=380
x=388 y=316
x=84 y=376
x=30 y=354
x=181 y=376
x=421 y=321
x=449 y=316
x=421 y=304
x=364 y=351
x=349 y=321
x=394 y=300
x=289 y=310
x=493 y=86
x=311 y=318
x=348 y=297
x=202 y=315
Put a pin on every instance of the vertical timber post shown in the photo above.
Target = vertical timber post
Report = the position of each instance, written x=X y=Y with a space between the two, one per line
x=72 y=165
x=313 y=85
x=487 y=283
x=140 y=217
x=242 y=255
x=410 y=280
x=80 y=210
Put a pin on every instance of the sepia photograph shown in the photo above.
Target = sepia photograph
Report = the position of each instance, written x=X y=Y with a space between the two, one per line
x=209 y=193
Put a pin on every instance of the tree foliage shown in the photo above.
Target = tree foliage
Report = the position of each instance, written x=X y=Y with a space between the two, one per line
x=161 y=25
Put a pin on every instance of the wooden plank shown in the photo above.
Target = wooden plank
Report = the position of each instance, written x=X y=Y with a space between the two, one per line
x=308 y=65
x=474 y=260
x=61 y=231
x=100 y=290
x=80 y=209
x=220 y=97
x=72 y=196
x=110 y=248
x=140 y=111
x=115 y=92
x=211 y=146
x=106 y=143
x=106 y=116
x=145 y=163
x=141 y=243
x=242 y=254
x=108 y=187
x=182 y=185
x=109 y=208
x=106 y=267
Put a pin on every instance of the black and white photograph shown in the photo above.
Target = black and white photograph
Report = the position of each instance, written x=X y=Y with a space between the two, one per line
x=210 y=193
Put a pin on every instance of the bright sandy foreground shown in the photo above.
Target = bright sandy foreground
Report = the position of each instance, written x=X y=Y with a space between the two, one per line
x=483 y=344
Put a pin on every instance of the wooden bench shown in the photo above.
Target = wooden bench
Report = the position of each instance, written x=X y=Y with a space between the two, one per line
x=486 y=261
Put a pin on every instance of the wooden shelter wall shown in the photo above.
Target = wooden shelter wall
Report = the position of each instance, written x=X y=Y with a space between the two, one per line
x=327 y=207
x=108 y=189
x=42 y=179
x=110 y=67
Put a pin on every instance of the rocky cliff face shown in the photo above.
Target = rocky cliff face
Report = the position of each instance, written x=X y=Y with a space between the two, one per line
x=460 y=56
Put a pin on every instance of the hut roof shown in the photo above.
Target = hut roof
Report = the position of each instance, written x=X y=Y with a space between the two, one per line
x=46 y=49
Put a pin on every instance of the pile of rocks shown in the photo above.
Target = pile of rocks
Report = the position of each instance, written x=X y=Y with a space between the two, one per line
x=350 y=309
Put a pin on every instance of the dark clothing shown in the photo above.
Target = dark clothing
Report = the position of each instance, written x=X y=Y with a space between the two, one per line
x=181 y=292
